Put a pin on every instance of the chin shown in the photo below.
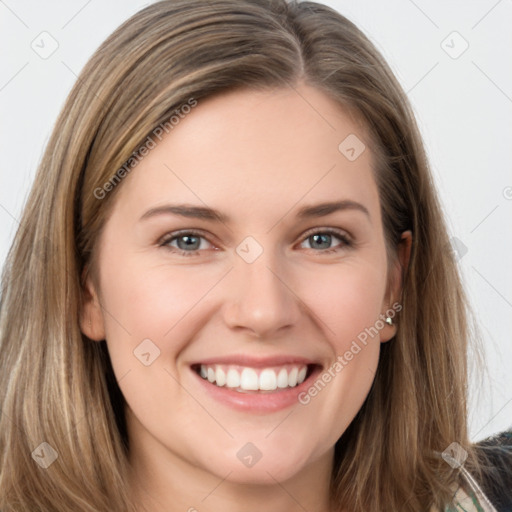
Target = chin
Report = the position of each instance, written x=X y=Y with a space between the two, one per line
x=250 y=466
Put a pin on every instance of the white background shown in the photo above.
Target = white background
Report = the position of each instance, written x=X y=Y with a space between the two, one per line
x=463 y=106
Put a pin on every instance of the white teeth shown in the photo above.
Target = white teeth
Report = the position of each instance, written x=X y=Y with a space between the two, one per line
x=233 y=378
x=248 y=379
x=292 y=377
x=268 y=380
x=282 y=378
x=301 y=375
x=220 y=376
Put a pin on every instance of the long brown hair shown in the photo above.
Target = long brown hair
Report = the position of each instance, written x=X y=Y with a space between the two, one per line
x=57 y=386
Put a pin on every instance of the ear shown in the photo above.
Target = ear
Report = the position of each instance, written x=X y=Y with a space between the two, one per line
x=395 y=291
x=91 y=316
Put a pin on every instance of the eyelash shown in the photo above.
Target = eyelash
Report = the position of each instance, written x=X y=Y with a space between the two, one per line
x=346 y=241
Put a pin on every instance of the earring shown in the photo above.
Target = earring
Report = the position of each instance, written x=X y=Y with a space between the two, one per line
x=389 y=320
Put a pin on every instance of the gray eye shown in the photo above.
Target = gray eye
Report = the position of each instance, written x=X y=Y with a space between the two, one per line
x=191 y=242
x=323 y=240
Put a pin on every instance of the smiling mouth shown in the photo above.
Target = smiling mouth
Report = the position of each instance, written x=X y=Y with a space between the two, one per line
x=245 y=379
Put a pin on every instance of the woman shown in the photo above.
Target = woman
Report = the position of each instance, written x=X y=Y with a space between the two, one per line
x=172 y=337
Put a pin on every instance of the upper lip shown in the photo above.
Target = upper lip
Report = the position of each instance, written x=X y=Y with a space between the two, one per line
x=256 y=362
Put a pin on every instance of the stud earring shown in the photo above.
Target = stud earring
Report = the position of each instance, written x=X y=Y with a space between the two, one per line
x=389 y=320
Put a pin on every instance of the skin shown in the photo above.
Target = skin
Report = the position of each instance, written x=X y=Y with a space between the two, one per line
x=257 y=157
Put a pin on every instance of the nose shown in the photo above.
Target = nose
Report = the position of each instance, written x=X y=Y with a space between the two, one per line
x=262 y=300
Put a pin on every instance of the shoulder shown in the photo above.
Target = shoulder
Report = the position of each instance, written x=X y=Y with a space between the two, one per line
x=495 y=454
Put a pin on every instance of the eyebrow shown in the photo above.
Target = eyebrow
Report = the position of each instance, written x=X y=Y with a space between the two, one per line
x=205 y=213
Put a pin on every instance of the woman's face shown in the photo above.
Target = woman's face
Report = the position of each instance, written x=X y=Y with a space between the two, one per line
x=278 y=287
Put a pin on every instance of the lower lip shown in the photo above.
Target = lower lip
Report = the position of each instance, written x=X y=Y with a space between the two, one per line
x=257 y=402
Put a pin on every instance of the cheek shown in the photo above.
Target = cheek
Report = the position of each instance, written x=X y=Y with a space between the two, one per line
x=157 y=302
x=151 y=298
x=160 y=303
x=347 y=298
x=348 y=302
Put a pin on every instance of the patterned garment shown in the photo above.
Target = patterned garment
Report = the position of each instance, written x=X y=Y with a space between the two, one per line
x=469 y=497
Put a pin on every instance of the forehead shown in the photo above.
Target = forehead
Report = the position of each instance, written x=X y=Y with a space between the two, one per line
x=258 y=152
